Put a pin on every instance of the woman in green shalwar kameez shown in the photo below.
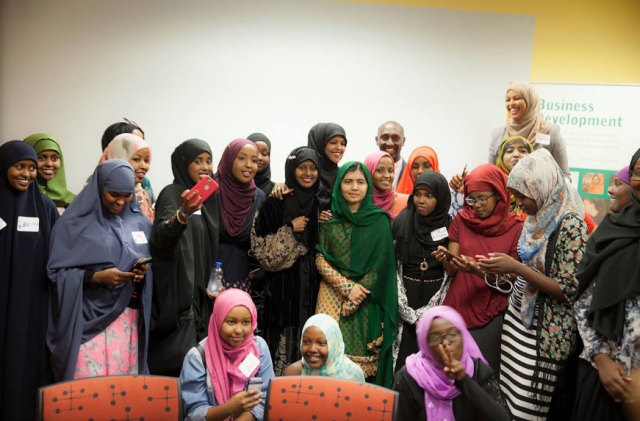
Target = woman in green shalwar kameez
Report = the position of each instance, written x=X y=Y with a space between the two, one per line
x=52 y=181
x=357 y=264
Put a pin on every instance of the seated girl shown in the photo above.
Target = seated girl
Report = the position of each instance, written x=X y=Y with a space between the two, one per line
x=215 y=371
x=449 y=378
x=322 y=349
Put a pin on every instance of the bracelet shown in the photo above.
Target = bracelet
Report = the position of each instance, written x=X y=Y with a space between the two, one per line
x=180 y=215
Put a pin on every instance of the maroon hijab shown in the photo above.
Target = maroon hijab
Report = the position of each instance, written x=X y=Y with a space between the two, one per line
x=488 y=177
x=235 y=197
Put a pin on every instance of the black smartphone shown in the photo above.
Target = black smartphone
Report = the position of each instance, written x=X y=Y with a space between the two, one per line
x=142 y=262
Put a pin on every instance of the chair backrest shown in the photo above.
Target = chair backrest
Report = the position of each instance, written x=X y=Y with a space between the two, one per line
x=302 y=398
x=129 y=397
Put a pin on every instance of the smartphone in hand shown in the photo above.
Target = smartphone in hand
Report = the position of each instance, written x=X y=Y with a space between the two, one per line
x=205 y=188
x=447 y=253
x=254 y=383
x=142 y=262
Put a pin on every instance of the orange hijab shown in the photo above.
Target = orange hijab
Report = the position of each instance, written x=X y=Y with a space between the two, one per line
x=405 y=184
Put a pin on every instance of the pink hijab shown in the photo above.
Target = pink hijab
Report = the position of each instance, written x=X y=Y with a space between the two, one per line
x=424 y=368
x=382 y=199
x=235 y=197
x=124 y=146
x=223 y=359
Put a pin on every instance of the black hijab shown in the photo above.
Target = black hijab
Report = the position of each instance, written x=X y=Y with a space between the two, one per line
x=263 y=178
x=303 y=200
x=415 y=230
x=319 y=136
x=613 y=257
x=24 y=288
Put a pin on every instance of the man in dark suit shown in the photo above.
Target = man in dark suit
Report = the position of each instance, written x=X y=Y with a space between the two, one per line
x=391 y=139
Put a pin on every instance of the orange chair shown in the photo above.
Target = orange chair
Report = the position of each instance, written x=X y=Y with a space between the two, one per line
x=298 y=398
x=129 y=397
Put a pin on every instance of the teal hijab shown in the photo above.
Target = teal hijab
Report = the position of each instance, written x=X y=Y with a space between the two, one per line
x=56 y=188
x=338 y=365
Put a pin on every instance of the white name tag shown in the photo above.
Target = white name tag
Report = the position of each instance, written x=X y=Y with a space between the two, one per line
x=543 y=138
x=198 y=212
x=139 y=237
x=28 y=224
x=439 y=234
x=249 y=365
x=2 y=224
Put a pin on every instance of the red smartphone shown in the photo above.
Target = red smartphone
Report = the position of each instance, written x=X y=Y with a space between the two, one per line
x=205 y=188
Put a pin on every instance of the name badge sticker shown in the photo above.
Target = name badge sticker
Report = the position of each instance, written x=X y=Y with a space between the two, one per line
x=139 y=237
x=2 y=224
x=543 y=139
x=28 y=224
x=249 y=364
x=439 y=234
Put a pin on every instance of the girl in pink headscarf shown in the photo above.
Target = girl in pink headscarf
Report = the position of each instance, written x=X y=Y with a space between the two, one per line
x=448 y=379
x=137 y=152
x=215 y=371
x=382 y=168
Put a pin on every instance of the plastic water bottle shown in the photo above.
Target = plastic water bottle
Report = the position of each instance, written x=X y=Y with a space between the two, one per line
x=215 y=280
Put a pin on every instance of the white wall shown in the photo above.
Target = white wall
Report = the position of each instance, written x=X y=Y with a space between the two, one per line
x=222 y=69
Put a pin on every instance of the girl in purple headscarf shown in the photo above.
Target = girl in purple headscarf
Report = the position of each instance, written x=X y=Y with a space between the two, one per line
x=449 y=378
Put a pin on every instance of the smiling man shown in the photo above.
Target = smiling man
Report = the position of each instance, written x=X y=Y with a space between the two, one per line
x=391 y=139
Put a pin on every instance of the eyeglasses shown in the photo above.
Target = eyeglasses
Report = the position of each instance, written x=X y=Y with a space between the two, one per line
x=635 y=175
x=480 y=200
x=450 y=337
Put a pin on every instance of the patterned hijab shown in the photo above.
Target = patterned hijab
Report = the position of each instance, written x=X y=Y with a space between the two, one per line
x=223 y=360
x=538 y=177
x=428 y=372
x=488 y=177
x=125 y=146
x=235 y=197
x=532 y=122
x=405 y=184
x=338 y=364
x=56 y=188
x=382 y=199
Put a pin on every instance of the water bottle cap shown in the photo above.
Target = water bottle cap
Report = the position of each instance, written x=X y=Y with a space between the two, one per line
x=218 y=264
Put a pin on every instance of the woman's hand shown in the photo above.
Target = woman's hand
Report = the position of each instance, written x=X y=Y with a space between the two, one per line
x=452 y=367
x=358 y=294
x=440 y=255
x=325 y=216
x=244 y=401
x=466 y=264
x=139 y=271
x=299 y=223
x=348 y=308
x=111 y=277
x=499 y=263
x=613 y=377
x=457 y=181
x=279 y=190
x=185 y=203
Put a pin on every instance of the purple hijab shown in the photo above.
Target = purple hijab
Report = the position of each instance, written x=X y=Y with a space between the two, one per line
x=88 y=237
x=235 y=197
x=424 y=368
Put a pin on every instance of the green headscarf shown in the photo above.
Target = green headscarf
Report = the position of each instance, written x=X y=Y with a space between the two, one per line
x=500 y=164
x=56 y=188
x=368 y=258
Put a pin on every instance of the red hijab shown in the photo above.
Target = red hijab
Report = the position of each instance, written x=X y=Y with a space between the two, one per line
x=223 y=359
x=235 y=197
x=488 y=177
x=405 y=184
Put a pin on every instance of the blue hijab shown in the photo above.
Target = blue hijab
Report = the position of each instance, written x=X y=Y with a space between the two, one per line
x=89 y=237
x=24 y=292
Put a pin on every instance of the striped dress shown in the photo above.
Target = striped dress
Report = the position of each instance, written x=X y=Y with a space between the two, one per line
x=517 y=364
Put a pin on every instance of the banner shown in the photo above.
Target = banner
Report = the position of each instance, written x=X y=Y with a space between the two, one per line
x=601 y=127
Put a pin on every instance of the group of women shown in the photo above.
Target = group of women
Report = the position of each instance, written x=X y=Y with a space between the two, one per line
x=469 y=296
